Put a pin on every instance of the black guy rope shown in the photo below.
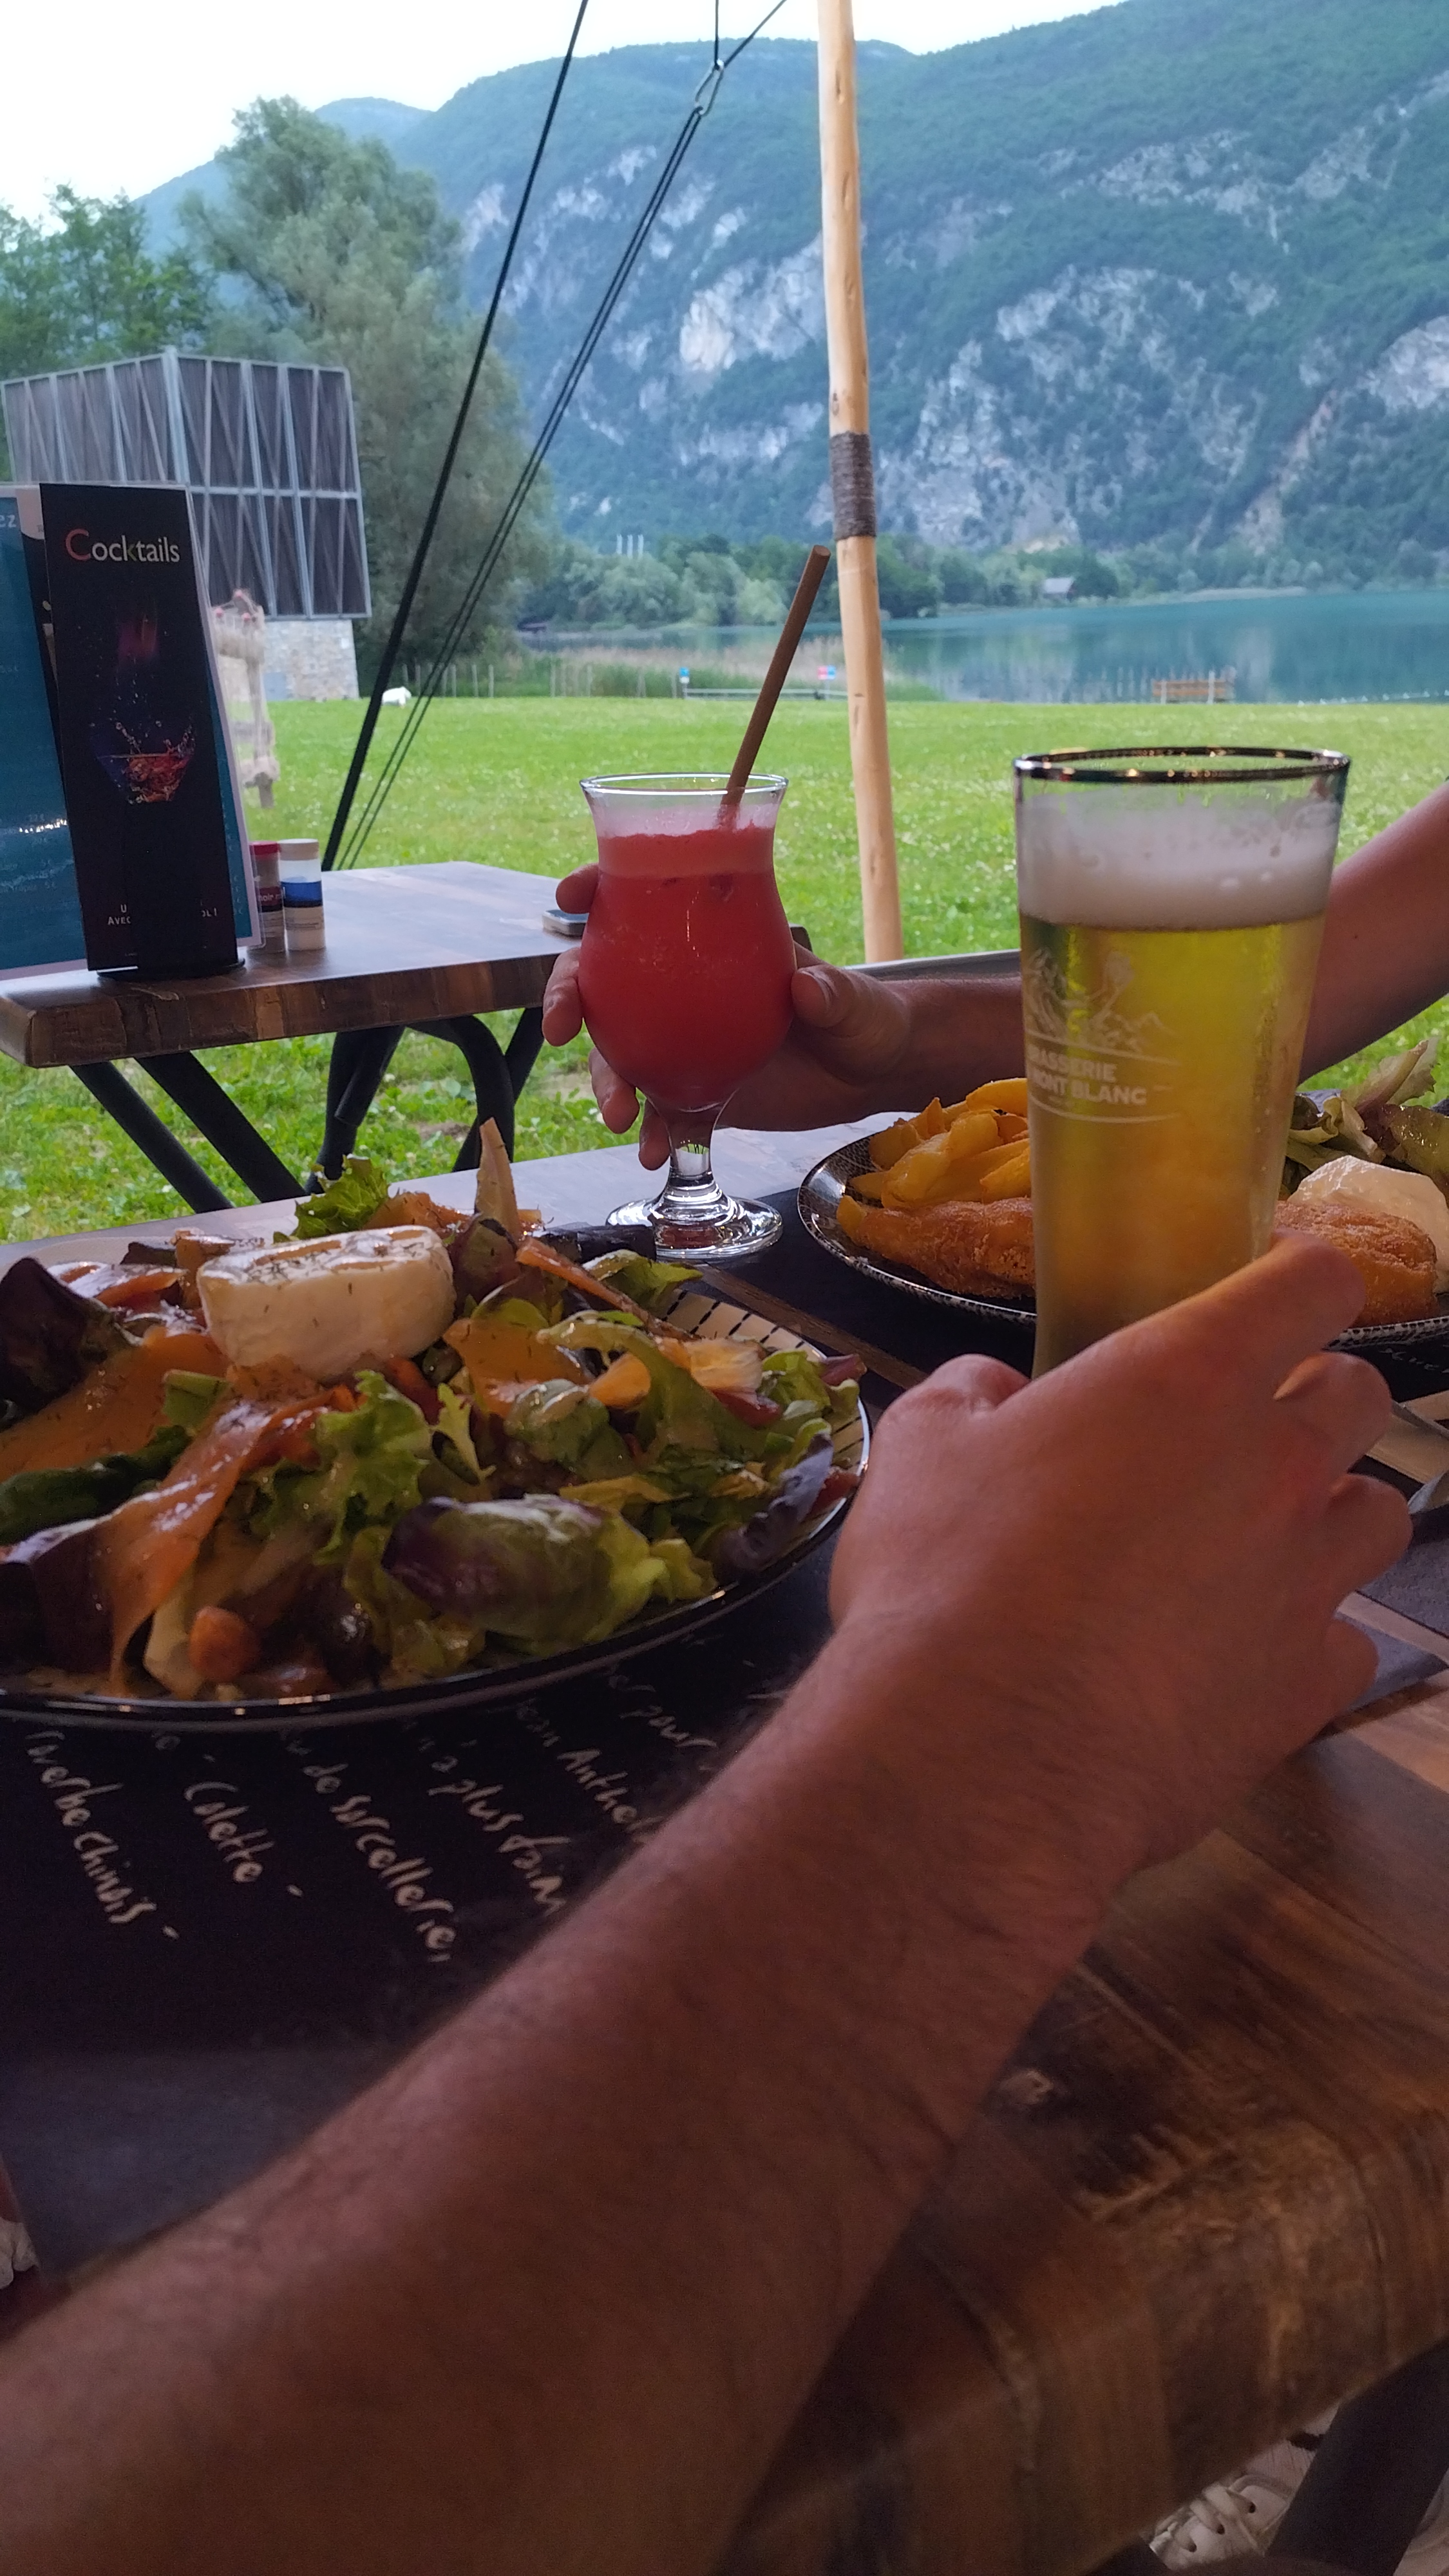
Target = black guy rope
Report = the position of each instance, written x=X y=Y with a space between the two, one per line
x=398 y=629
x=704 y=99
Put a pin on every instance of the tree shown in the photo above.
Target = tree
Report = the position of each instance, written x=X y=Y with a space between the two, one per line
x=337 y=254
x=84 y=287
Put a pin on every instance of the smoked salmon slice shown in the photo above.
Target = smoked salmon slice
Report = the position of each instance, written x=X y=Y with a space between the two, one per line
x=114 y=1408
x=145 y=1546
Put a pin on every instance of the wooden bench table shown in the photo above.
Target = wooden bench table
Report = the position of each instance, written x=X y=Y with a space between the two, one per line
x=1208 y=2197
x=405 y=946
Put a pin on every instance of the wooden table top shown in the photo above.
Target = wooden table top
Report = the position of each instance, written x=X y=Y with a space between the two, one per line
x=1208 y=2197
x=412 y=943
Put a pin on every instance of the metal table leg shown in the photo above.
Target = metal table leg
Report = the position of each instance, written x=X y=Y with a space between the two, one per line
x=201 y=1097
x=360 y=1057
x=493 y=1089
x=136 y=1119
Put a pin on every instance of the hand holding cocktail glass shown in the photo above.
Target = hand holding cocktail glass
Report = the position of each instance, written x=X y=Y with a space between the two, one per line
x=684 y=978
x=684 y=973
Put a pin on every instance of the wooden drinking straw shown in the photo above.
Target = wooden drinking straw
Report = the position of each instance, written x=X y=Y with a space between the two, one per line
x=778 y=672
x=852 y=482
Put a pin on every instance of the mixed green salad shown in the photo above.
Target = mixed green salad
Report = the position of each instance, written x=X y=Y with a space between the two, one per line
x=1380 y=1120
x=557 y=1460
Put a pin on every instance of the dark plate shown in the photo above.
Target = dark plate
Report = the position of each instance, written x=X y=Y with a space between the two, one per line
x=820 y=1195
x=693 y=1310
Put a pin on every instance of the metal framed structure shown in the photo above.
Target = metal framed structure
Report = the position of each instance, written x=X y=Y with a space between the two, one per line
x=267 y=449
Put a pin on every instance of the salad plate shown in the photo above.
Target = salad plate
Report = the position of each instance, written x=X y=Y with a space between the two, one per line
x=798 y=1501
x=819 y=1198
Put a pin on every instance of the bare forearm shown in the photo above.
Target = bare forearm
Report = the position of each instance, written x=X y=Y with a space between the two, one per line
x=548 y=2298
x=1386 y=941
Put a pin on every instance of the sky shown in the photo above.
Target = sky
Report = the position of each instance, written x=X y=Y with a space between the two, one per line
x=138 y=113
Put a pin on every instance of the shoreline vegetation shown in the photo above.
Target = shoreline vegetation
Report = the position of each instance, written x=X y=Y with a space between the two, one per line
x=498 y=783
x=712 y=581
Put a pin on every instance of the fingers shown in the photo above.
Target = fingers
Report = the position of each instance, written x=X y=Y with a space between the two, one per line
x=563 y=1014
x=855 y=1025
x=1366 y=1528
x=974 y=1385
x=977 y=1383
x=618 y=1101
x=575 y=892
x=1257 y=1324
x=821 y=994
x=653 y=1141
x=1343 y=1401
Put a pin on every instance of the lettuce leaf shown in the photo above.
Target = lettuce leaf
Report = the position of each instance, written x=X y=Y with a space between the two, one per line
x=793 y=1377
x=538 y=1573
x=189 y=1397
x=372 y=1461
x=651 y=1284
x=790 y=1376
x=455 y=1422
x=677 y=1413
x=418 y=1644
x=346 y=1205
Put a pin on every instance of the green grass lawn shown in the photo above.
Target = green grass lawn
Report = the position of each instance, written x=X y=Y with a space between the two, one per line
x=498 y=781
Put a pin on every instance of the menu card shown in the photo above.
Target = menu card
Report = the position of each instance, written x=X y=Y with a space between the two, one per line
x=154 y=803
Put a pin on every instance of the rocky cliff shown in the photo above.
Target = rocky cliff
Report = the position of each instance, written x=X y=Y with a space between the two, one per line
x=1178 y=269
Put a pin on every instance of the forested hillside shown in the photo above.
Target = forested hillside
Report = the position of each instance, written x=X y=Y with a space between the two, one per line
x=1177 y=271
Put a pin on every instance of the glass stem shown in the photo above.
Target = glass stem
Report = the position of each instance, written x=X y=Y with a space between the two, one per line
x=691 y=1195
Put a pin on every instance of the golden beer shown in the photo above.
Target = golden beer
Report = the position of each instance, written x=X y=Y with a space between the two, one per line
x=1163 y=1036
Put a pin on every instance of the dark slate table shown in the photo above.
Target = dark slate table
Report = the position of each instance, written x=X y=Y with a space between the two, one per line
x=1206 y=2199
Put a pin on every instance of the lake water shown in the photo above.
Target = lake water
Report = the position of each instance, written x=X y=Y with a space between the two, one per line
x=1320 y=646
x=1325 y=645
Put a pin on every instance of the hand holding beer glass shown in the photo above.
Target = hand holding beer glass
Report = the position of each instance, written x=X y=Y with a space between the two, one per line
x=1172 y=906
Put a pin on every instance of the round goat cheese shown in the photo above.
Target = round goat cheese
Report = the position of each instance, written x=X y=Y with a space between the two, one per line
x=330 y=1304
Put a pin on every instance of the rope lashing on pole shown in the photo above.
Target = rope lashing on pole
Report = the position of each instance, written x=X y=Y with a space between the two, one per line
x=704 y=99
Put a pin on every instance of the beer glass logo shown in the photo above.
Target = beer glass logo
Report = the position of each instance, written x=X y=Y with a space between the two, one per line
x=143 y=746
x=1087 y=1056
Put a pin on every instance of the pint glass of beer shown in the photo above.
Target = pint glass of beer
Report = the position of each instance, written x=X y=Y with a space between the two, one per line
x=1171 y=911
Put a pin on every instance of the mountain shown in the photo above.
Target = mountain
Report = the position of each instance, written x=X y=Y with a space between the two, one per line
x=1177 y=270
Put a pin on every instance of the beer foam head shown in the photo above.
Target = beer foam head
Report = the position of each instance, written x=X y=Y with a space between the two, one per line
x=1157 y=858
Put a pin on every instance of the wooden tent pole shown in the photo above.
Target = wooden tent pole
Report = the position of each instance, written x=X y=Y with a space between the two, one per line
x=852 y=482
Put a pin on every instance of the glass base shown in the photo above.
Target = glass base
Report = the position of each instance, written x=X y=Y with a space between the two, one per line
x=717 y=1228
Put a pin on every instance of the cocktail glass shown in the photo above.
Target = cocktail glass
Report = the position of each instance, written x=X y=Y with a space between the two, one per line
x=1172 y=905
x=684 y=977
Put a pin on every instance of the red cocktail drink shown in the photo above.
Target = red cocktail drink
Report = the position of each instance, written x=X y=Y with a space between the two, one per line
x=685 y=969
x=684 y=973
